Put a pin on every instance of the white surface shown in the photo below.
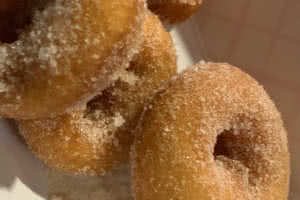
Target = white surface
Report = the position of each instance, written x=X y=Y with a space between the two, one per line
x=22 y=177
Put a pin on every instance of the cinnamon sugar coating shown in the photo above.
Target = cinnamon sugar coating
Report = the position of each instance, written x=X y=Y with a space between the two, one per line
x=97 y=138
x=174 y=11
x=67 y=54
x=213 y=133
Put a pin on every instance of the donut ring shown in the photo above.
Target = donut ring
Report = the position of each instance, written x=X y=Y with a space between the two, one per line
x=213 y=133
x=68 y=53
x=174 y=11
x=98 y=138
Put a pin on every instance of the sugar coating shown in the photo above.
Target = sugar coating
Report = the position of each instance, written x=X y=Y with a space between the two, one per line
x=96 y=138
x=67 y=43
x=212 y=133
x=174 y=11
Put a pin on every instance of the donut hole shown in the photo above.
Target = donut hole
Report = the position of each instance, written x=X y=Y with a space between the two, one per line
x=15 y=16
x=234 y=151
x=9 y=29
x=232 y=144
x=223 y=145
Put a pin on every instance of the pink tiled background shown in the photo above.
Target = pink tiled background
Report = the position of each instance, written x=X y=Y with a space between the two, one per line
x=263 y=38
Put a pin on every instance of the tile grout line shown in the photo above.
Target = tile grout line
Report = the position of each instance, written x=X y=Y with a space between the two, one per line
x=209 y=15
x=279 y=82
x=256 y=28
x=204 y=43
x=241 y=25
x=289 y=84
x=275 y=37
x=206 y=14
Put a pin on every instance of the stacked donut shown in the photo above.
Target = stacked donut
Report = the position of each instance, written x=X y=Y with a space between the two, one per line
x=93 y=85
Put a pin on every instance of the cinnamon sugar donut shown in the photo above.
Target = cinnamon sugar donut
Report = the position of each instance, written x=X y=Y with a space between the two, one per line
x=69 y=52
x=213 y=133
x=98 y=138
x=174 y=11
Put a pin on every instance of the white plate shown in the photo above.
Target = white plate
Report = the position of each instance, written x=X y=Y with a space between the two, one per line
x=22 y=176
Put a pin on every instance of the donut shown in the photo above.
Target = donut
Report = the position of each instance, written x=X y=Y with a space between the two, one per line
x=211 y=133
x=67 y=54
x=174 y=11
x=96 y=139
x=14 y=14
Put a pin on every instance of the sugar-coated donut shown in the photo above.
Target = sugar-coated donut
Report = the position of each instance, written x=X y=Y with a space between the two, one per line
x=174 y=11
x=213 y=133
x=98 y=138
x=69 y=53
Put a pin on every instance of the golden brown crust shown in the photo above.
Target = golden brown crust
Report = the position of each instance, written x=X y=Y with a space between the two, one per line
x=213 y=133
x=68 y=53
x=174 y=11
x=98 y=138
